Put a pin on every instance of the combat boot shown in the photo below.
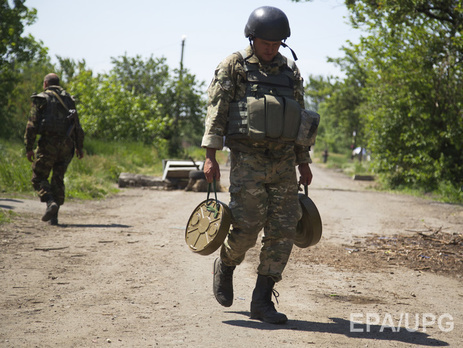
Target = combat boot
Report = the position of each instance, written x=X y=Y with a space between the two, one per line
x=54 y=219
x=262 y=307
x=223 y=283
x=52 y=209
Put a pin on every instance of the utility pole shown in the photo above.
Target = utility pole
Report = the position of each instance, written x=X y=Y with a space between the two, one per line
x=181 y=57
x=174 y=146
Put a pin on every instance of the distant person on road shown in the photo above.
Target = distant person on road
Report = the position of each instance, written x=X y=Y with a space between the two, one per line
x=54 y=117
x=255 y=101
x=325 y=156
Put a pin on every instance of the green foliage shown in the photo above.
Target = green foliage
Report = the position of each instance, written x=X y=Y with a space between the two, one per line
x=150 y=77
x=17 y=52
x=6 y=216
x=31 y=79
x=14 y=168
x=178 y=96
x=97 y=173
x=94 y=176
x=15 y=46
x=341 y=125
x=414 y=89
x=138 y=100
x=108 y=111
x=402 y=94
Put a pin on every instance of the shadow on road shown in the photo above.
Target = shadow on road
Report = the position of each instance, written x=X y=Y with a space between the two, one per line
x=95 y=225
x=344 y=327
x=10 y=207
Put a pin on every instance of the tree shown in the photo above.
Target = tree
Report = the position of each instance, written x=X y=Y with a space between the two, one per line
x=340 y=103
x=18 y=53
x=178 y=95
x=138 y=100
x=108 y=110
x=414 y=90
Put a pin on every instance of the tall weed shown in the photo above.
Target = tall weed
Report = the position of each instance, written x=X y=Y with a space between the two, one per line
x=94 y=176
x=15 y=169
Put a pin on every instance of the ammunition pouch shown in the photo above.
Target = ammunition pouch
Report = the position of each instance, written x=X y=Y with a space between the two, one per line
x=268 y=117
x=273 y=118
x=308 y=128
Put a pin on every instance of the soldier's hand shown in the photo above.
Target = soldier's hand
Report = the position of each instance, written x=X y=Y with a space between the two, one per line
x=79 y=154
x=30 y=156
x=211 y=170
x=211 y=166
x=306 y=174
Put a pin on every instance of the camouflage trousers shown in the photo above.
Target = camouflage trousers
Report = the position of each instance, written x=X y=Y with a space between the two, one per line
x=53 y=155
x=263 y=195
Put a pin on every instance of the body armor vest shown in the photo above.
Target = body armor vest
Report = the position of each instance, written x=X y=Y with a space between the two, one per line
x=268 y=111
x=54 y=119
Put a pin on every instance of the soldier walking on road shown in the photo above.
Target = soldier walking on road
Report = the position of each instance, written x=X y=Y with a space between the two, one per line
x=255 y=101
x=54 y=117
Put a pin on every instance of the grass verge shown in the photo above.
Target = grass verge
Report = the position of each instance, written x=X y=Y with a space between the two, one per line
x=93 y=177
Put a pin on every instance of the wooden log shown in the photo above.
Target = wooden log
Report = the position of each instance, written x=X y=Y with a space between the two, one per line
x=138 y=180
x=364 y=177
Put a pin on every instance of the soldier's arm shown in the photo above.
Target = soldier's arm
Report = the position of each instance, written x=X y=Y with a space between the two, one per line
x=220 y=93
x=302 y=152
x=78 y=131
x=38 y=105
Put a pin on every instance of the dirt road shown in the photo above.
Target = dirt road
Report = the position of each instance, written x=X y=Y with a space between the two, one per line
x=117 y=273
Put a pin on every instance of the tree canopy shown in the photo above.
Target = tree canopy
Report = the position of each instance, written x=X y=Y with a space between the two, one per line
x=414 y=92
x=138 y=100
x=17 y=52
x=401 y=95
x=403 y=91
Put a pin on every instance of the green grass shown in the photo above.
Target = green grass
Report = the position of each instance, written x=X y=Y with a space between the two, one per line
x=93 y=177
x=446 y=192
x=96 y=175
x=6 y=215
x=344 y=163
x=15 y=170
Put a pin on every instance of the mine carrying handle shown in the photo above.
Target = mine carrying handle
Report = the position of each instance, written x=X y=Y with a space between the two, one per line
x=306 y=190
x=211 y=208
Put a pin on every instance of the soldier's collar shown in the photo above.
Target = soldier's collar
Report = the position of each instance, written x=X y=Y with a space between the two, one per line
x=54 y=87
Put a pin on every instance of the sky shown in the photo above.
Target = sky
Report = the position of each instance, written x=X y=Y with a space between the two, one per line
x=96 y=30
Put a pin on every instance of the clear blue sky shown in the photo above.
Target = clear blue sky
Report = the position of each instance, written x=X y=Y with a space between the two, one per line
x=96 y=30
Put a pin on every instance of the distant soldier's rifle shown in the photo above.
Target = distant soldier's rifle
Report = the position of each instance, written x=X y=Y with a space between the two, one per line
x=72 y=117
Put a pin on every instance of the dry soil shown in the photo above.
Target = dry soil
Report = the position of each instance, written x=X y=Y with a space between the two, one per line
x=118 y=273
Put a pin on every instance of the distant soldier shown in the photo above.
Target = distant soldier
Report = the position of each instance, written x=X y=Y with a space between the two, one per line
x=54 y=117
x=255 y=101
x=325 y=155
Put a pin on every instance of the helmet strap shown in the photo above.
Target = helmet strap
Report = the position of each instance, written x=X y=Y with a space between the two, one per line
x=252 y=48
x=292 y=52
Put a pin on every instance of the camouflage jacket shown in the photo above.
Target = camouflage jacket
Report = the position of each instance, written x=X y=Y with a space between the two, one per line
x=38 y=109
x=229 y=85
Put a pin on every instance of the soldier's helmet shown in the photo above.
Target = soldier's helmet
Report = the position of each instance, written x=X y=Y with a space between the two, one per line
x=267 y=23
